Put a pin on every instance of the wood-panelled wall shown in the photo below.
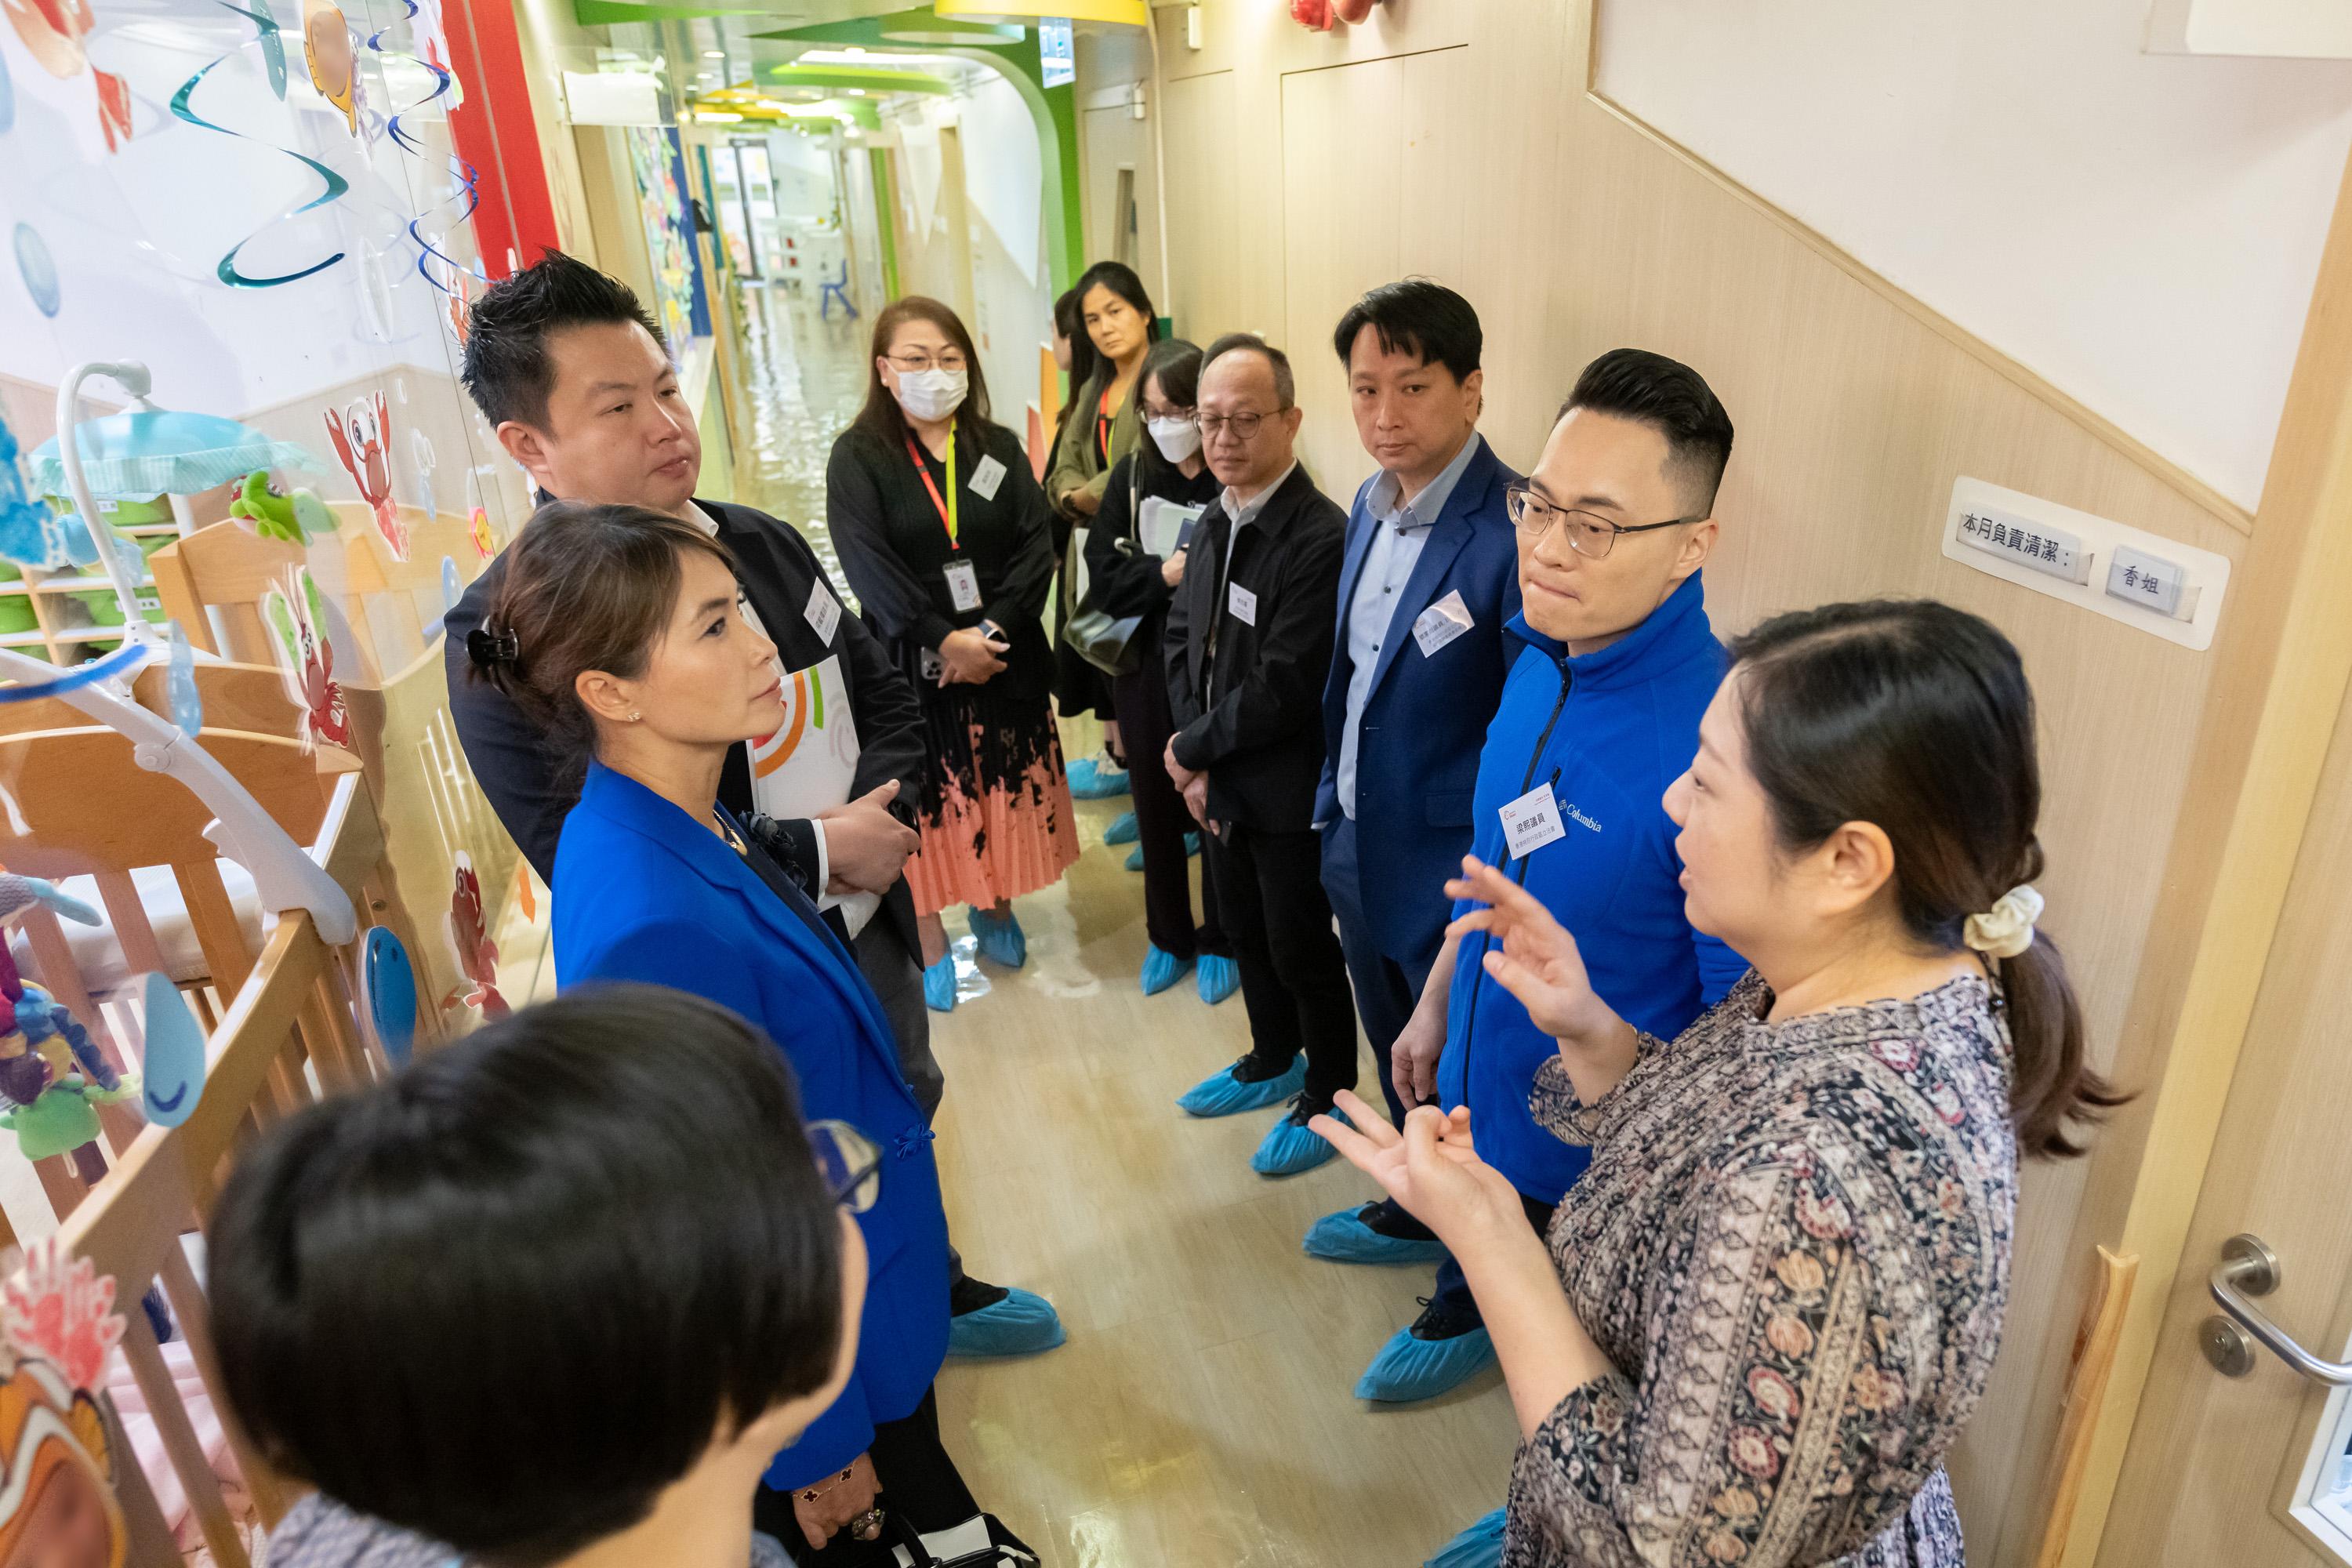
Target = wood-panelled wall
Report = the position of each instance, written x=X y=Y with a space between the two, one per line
x=1458 y=139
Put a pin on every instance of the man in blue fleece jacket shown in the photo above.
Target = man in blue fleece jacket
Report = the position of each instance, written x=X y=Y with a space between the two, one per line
x=1599 y=715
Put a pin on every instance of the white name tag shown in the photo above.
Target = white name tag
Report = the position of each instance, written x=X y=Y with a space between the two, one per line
x=963 y=585
x=1531 y=822
x=986 y=477
x=1242 y=603
x=823 y=612
x=1440 y=623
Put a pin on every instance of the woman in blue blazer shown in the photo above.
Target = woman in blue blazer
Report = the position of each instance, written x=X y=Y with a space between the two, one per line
x=620 y=630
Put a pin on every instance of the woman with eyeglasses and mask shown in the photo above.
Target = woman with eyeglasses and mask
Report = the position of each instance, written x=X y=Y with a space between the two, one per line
x=946 y=539
x=1135 y=560
x=619 y=632
x=1104 y=425
x=1763 y=1316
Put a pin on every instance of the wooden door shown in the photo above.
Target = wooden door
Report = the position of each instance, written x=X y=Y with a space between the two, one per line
x=2248 y=1469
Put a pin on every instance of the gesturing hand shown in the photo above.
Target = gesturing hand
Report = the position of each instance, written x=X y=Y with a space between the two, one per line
x=866 y=847
x=1431 y=1168
x=1534 y=957
x=837 y=1502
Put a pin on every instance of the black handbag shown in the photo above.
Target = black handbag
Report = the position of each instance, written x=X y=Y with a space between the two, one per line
x=1103 y=640
x=980 y=1542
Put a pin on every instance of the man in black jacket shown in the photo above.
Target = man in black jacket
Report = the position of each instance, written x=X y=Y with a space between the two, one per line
x=572 y=375
x=1249 y=648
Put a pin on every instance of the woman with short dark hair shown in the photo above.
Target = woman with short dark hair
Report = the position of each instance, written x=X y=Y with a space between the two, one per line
x=566 y=1285
x=620 y=633
x=1765 y=1314
x=944 y=536
x=1134 y=560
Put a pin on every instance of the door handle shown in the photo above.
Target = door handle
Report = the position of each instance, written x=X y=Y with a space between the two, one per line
x=2249 y=1268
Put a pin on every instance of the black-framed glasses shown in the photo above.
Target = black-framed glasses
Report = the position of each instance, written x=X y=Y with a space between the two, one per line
x=1589 y=536
x=849 y=1163
x=915 y=364
x=1244 y=426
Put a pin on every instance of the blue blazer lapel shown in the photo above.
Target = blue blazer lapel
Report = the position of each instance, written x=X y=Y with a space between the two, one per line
x=1446 y=540
x=1360 y=529
x=630 y=803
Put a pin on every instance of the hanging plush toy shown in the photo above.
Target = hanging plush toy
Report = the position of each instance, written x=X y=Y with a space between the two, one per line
x=51 y=1072
x=293 y=517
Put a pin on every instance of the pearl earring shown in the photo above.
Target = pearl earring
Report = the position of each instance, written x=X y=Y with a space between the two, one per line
x=634 y=716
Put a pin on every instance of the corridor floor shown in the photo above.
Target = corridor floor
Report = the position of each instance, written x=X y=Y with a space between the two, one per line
x=1201 y=1413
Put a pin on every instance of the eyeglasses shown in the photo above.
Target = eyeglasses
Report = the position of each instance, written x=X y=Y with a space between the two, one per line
x=1243 y=426
x=951 y=359
x=1589 y=536
x=849 y=1163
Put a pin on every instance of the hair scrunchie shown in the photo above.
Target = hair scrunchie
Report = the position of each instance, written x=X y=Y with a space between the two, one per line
x=486 y=647
x=2006 y=930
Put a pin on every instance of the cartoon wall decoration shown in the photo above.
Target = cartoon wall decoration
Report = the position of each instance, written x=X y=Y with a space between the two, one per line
x=53 y=30
x=297 y=617
x=477 y=529
x=363 y=438
x=477 y=955
x=172 y=1064
x=327 y=51
x=51 y=1072
x=34 y=266
x=420 y=453
x=58 y=1455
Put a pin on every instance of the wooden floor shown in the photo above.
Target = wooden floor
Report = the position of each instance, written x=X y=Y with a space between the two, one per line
x=1201 y=1413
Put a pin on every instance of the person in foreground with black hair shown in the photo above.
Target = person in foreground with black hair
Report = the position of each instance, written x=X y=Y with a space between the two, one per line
x=549 y=1297
x=1600 y=712
x=1759 y=1324
x=572 y=373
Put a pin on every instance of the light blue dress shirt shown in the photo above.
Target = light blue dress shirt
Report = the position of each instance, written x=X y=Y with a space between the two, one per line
x=1400 y=530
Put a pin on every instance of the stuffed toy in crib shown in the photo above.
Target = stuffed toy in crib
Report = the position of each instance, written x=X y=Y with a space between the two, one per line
x=52 y=1075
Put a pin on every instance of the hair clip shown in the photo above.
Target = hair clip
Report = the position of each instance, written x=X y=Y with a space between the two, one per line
x=486 y=647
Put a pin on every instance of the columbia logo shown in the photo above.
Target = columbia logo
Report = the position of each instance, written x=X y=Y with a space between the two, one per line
x=1577 y=816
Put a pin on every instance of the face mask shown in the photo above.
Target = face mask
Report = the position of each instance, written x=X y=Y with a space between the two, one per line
x=1176 y=438
x=932 y=394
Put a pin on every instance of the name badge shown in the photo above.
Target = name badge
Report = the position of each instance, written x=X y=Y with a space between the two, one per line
x=1440 y=623
x=1242 y=603
x=1531 y=822
x=986 y=477
x=823 y=612
x=963 y=585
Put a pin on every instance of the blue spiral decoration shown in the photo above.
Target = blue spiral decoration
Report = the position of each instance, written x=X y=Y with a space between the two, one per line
x=468 y=193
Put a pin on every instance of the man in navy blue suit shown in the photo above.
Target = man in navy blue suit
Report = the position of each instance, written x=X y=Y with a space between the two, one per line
x=1429 y=584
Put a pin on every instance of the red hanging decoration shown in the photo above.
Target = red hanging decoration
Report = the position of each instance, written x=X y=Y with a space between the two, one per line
x=1314 y=16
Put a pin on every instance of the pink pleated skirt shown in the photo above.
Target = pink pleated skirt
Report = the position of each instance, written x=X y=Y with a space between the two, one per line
x=996 y=821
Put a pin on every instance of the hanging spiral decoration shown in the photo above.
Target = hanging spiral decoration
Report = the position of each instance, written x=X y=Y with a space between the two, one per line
x=465 y=192
x=336 y=185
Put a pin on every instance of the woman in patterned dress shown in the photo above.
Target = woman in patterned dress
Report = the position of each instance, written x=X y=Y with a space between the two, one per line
x=946 y=539
x=1765 y=1314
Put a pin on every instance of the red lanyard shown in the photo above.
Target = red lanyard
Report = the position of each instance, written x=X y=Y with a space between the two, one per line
x=947 y=507
x=1102 y=429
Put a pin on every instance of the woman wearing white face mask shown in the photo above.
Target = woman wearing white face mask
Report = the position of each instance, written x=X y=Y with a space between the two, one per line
x=946 y=539
x=1132 y=569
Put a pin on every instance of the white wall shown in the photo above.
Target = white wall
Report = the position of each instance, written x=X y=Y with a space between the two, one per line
x=2142 y=229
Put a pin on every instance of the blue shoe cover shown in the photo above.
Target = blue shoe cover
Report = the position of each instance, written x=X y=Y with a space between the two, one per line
x=1135 y=858
x=1344 y=1239
x=1191 y=844
x=1291 y=1147
x=1020 y=1324
x=1089 y=779
x=1221 y=1094
x=1480 y=1546
x=1122 y=829
x=940 y=984
x=1218 y=978
x=1408 y=1369
x=1000 y=939
x=1162 y=969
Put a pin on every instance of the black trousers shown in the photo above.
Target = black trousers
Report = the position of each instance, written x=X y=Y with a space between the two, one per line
x=1387 y=985
x=1454 y=1286
x=1294 y=981
x=1162 y=819
x=920 y=1482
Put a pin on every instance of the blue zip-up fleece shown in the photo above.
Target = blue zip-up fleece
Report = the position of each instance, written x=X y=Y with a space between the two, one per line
x=1609 y=731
